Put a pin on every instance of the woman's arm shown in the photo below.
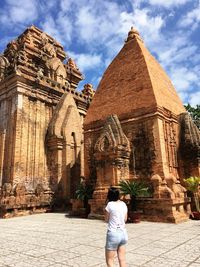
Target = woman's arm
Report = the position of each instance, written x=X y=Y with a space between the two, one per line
x=106 y=216
x=126 y=217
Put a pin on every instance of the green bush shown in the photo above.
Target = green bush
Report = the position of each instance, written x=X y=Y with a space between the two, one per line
x=84 y=192
x=192 y=185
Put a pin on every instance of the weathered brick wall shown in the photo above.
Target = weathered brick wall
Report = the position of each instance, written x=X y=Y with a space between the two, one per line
x=30 y=163
x=151 y=141
x=7 y=136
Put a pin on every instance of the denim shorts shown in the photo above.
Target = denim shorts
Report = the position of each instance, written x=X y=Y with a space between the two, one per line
x=115 y=239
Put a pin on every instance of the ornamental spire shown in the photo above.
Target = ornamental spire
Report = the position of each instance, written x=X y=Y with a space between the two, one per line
x=133 y=33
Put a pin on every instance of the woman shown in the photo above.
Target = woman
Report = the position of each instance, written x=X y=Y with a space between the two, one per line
x=116 y=238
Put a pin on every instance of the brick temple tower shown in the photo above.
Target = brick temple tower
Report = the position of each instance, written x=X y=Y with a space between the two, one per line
x=134 y=130
x=41 y=115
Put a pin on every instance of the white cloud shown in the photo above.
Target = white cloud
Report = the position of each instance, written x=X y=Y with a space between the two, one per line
x=179 y=57
x=49 y=26
x=192 y=18
x=21 y=11
x=183 y=78
x=66 y=5
x=60 y=29
x=86 y=61
x=5 y=41
x=149 y=25
x=97 y=23
x=183 y=96
x=168 y=3
x=175 y=54
x=194 y=98
x=160 y=3
x=65 y=27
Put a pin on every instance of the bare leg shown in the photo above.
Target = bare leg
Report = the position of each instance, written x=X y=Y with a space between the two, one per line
x=121 y=253
x=110 y=254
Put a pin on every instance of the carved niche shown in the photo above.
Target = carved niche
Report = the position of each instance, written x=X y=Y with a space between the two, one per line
x=112 y=153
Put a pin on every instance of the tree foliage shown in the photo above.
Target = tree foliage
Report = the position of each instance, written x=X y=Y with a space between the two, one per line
x=192 y=185
x=194 y=113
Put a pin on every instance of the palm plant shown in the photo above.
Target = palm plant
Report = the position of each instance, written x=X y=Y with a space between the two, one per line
x=134 y=189
x=192 y=185
x=84 y=192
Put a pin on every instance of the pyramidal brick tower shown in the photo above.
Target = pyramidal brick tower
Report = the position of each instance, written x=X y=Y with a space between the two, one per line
x=134 y=129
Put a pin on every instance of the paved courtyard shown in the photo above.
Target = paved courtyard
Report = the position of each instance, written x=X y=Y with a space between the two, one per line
x=54 y=239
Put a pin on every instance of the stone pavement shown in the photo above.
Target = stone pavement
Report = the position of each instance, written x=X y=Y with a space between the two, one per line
x=54 y=239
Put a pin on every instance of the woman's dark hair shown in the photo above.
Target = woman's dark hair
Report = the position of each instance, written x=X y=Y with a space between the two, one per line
x=113 y=194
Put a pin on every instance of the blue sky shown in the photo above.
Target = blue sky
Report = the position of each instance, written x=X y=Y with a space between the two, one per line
x=92 y=32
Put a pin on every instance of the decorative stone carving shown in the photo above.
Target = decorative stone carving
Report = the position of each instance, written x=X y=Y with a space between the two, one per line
x=4 y=63
x=71 y=63
x=88 y=90
x=47 y=47
x=112 y=152
x=26 y=38
x=176 y=187
x=6 y=190
x=39 y=190
x=40 y=74
x=12 y=54
x=172 y=155
x=112 y=138
x=56 y=69
x=54 y=65
x=133 y=33
x=20 y=190
x=161 y=190
x=38 y=57
x=73 y=73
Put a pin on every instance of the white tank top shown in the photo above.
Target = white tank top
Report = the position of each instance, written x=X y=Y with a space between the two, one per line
x=117 y=211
